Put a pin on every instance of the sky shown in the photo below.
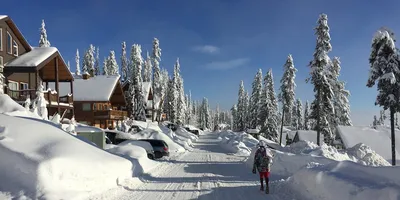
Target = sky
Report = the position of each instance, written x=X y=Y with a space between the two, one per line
x=220 y=42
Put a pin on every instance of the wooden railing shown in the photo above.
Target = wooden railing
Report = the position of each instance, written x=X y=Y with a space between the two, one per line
x=110 y=114
x=22 y=95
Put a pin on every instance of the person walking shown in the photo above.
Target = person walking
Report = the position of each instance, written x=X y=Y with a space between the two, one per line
x=263 y=162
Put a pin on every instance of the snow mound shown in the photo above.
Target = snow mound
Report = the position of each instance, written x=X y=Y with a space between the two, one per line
x=346 y=180
x=136 y=153
x=237 y=143
x=159 y=135
x=46 y=162
x=12 y=108
x=366 y=156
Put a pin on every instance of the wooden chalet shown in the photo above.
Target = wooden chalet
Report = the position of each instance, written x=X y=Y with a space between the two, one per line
x=25 y=67
x=98 y=100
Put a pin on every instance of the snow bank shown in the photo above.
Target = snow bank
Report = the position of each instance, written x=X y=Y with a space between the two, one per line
x=346 y=181
x=237 y=143
x=46 y=162
x=135 y=151
x=12 y=108
x=153 y=134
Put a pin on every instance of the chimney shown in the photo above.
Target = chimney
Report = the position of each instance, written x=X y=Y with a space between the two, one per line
x=85 y=76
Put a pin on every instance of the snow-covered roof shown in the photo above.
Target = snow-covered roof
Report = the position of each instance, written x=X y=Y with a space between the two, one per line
x=3 y=16
x=33 y=58
x=309 y=136
x=98 y=88
x=378 y=139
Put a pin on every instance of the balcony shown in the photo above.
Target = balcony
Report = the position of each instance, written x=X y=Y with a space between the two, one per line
x=51 y=98
x=110 y=114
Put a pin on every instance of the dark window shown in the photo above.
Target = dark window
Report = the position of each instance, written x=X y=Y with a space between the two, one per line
x=9 y=43
x=86 y=107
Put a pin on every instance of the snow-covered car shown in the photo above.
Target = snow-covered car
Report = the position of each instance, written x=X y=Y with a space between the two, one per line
x=145 y=145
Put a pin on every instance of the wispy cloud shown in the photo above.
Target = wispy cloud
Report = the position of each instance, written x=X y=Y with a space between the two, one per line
x=229 y=64
x=210 y=49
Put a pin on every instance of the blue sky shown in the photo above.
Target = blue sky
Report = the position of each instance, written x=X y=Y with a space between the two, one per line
x=219 y=42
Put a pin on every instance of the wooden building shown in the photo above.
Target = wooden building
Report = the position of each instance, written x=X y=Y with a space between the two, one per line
x=25 y=67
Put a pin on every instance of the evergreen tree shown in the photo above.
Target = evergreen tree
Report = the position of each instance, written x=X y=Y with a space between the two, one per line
x=124 y=64
x=43 y=42
x=270 y=128
x=136 y=82
x=255 y=100
x=241 y=108
x=148 y=69
x=105 y=66
x=156 y=57
x=375 y=122
x=322 y=108
x=299 y=115
x=180 y=103
x=247 y=110
x=77 y=60
x=384 y=69
x=294 y=119
x=263 y=113
x=341 y=102
x=112 y=64
x=97 y=62
x=217 y=116
x=88 y=61
x=306 y=116
x=69 y=66
x=288 y=85
x=205 y=115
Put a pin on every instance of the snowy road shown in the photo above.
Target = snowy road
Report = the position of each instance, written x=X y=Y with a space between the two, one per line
x=205 y=173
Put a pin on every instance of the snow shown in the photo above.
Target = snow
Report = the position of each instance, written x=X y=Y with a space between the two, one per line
x=159 y=135
x=47 y=162
x=98 y=88
x=378 y=139
x=145 y=145
x=309 y=135
x=3 y=16
x=12 y=108
x=33 y=58
x=135 y=152
x=146 y=86
x=237 y=143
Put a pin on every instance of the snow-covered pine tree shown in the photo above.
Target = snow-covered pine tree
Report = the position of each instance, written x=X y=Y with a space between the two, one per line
x=124 y=64
x=270 y=128
x=43 y=42
x=173 y=98
x=68 y=66
x=375 y=122
x=384 y=69
x=241 y=108
x=77 y=61
x=288 y=85
x=217 y=115
x=112 y=64
x=148 y=69
x=299 y=114
x=205 y=115
x=97 y=62
x=322 y=108
x=397 y=122
x=263 y=112
x=180 y=103
x=156 y=57
x=246 y=110
x=41 y=103
x=255 y=100
x=163 y=90
x=88 y=61
x=137 y=62
x=306 y=116
x=171 y=101
x=105 y=66
x=340 y=102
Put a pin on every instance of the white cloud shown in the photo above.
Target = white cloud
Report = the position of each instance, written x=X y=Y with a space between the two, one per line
x=229 y=64
x=210 y=49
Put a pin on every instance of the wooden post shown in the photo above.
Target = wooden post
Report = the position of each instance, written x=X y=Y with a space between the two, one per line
x=36 y=81
x=29 y=80
x=57 y=84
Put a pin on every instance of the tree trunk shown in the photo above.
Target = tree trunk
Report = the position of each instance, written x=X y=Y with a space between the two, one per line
x=318 y=117
x=393 y=135
x=283 y=117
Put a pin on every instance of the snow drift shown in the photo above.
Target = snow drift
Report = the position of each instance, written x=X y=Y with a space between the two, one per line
x=237 y=143
x=47 y=162
x=153 y=134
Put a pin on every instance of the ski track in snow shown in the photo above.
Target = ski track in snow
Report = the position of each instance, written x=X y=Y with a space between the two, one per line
x=207 y=172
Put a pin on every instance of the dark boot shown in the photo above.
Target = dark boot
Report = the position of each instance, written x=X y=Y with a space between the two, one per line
x=267 y=185
x=262 y=184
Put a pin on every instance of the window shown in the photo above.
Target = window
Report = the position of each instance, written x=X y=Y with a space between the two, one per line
x=24 y=86
x=1 y=39
x=13 y=87
x=86 y=107
x=9 y=43
x=15 y=47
